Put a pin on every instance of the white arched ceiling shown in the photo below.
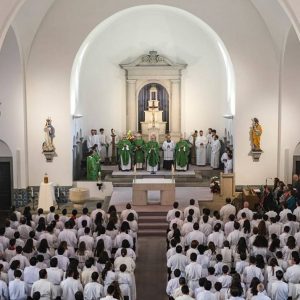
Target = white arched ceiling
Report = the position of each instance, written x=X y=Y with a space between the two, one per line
x=98 y=83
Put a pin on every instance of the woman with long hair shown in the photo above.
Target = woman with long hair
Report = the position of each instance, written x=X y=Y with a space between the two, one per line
x=111 y=230
x=274 y=246
x=211 y=253
x=44 y=249
x=246 y=230
x=270 y=275
x=290 y=247
x=29 y=249
x=262 y=228
x=100 y=249
x=82 y=254
x=260 y=246
x=108 y=275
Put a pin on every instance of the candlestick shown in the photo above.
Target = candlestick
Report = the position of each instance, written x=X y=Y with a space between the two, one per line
x=31 y=192
x=57 y=191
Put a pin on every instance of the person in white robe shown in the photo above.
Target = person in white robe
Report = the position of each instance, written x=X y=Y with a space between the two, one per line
x=279 y=289
x=173 y=283
x=103 y=143
x=110 y=292
x=215 y=152
x=177 y=261
x=43 y=286
x=55 y=276
x=17 y=288
x=125 y=282
x=227 y=210
x=193 y=272
x=31 y=274
x=201 y=143
x=93 y=290
x=93 y=140
x=70 y=286
x=228 y=165
x=208 y=146
x=3 y=290
x=168 y=147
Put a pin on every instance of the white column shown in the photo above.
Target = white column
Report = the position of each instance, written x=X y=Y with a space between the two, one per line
x=131 y=106
x=175 y=108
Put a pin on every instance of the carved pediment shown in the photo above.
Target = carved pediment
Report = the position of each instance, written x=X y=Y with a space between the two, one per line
x=152 y=59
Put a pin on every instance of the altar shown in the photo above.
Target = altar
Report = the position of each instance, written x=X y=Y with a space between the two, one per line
x=140 y=188
x=46 y=196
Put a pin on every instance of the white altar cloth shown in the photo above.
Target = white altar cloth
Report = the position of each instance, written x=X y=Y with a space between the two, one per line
x=46 y=196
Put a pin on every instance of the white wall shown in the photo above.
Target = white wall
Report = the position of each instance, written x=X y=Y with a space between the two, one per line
x=12 y=119
x=290 y=105
x=101 y=82
x=238 y=24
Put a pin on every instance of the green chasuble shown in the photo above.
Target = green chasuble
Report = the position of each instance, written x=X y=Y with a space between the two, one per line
x=124 y=150
x=152 y=152
x=93 y=166
x=139 y=149
x=182 y=150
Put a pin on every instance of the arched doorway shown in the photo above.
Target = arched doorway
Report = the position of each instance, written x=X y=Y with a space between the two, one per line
x=144 y=96
x=6 y=176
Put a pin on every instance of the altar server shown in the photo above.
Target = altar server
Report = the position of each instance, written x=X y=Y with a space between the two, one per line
x=93 y=140
x=103 y=144
x=208 y=147
x=169 y=149
x=201 y=143
x=215 y=152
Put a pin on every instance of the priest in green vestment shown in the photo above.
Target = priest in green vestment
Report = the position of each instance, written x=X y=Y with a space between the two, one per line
x=152 y=154
x=93 y=165
x=124 y=151
x=182 y=151
x=139 y=151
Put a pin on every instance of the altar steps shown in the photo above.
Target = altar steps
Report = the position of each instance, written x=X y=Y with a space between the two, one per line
x=152 y=223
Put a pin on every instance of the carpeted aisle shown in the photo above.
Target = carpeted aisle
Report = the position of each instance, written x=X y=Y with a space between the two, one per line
x=151 y=270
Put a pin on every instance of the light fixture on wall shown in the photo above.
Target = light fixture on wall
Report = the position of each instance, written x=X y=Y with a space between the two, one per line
x=230 y=117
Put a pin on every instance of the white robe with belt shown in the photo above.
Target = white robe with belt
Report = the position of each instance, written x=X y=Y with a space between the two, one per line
x=168 y=148
x=215 y=154
x=201 y=142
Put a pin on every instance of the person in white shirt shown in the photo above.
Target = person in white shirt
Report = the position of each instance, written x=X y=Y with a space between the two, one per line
x=103 y=144
x=200 y=143
x=252 y=271
x=171 y=212
x=93 y=290
x=70 y=285
x=31 y=274
x=195 y=235
x=110 y=292
x=63 y=260
x=125 y=282
x=55 y=276
x=193 y=272
x=168 y=147
x=173 y=283
x=17 y=288
x=97 y=210
x=246 y=210
x=84 y=216
x=206 y=294
x=43 y=286
x=127 y=211
x=177 y=261
x=227 y=210
x=3 y=290
x=194 y=207
x=68 y=236
x=261 y=295
x=279 y=289
x=185 y=294
x=93 y=140
x=87 y=239
x=215 y=152
x=217 y=237
x=23 y=259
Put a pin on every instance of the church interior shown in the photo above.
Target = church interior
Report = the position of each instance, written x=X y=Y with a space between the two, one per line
x=104 y=101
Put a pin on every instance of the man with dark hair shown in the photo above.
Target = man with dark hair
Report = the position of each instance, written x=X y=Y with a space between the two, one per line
x=177 y=261
x=173 y=284
x=19 y=256
x=44 y=286
x=171 y=212
x=127 y=211
x=193 y=272
x=70 y=285
x=93 y=290
x=17 y=288
x=185 y=293
x=110 y=292
x=227 y=210
x=55 y=276
x=194 y=207
x=279 y=289
x=31 y=274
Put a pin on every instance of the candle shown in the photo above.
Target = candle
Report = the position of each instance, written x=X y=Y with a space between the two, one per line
x=134 y=169
x=32 y=192
x=57 y=191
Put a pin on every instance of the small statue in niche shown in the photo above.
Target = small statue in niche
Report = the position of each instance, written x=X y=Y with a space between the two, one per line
x=255 y=135
x=48 y=146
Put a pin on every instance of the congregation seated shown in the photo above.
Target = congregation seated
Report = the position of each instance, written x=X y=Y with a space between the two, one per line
x=52 y=256
x=230 y=254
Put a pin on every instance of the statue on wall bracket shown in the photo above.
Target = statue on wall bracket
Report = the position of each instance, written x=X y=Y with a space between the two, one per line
x=48 y=146
x=255 y=136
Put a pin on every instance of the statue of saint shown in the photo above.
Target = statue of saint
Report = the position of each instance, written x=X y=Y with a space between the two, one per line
x=49 y=135
x=255 y=134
